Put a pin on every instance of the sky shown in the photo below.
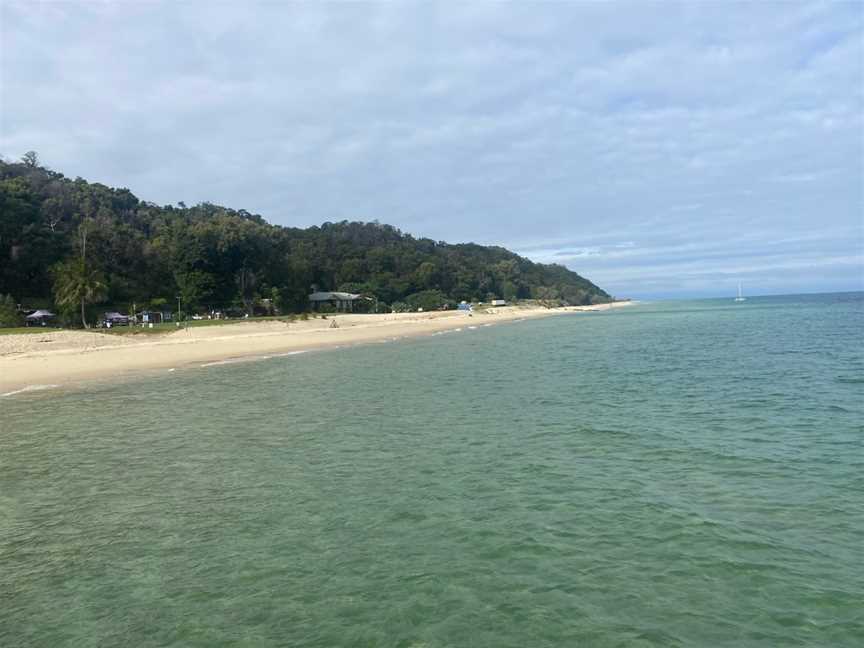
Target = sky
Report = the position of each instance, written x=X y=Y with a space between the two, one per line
x=661 y=150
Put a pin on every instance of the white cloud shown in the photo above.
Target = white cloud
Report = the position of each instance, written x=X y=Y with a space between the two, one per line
x=591 y=124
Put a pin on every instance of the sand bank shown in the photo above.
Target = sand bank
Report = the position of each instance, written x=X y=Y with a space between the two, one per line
x=67 y=357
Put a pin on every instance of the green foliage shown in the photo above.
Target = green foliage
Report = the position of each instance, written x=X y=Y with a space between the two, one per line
x=220 y=258
x=428 y=300
x=194 y=287
x=9 y=315
x=276 y=301
x=76 y=285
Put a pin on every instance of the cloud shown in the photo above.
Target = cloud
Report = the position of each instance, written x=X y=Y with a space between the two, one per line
x=564 y=131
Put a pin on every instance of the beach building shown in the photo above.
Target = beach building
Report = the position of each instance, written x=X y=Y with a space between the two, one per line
x=499 y=302
x=39 y=318
x=153 y=317
x=340 y=301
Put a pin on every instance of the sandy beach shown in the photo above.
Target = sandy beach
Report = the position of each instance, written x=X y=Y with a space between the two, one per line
x=64 y=358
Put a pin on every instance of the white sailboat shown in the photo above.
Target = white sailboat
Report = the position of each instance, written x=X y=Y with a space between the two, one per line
x=740 y=297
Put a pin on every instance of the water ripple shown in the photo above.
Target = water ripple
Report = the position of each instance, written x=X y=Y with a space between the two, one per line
x=681 y=475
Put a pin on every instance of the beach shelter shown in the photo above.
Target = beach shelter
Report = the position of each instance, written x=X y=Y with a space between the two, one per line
x=38 y=318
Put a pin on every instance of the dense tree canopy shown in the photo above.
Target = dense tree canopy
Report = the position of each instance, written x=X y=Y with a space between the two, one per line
x=216 y=257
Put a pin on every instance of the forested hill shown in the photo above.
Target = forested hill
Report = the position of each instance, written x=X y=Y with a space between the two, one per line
x=216 y=257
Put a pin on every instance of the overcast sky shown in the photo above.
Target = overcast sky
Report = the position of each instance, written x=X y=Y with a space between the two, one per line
x=658 y=149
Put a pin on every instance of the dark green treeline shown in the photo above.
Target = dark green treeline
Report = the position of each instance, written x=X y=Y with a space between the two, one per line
x=216 y=257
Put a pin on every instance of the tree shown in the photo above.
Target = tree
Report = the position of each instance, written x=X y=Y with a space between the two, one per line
x=428 y=300
x=246 y=282
x=509 y=290
x=547 y=297
x=426 y=276
x=9 y=315
x=218 y=256
x=194 y=287
x=76 y=282
x=30 y=159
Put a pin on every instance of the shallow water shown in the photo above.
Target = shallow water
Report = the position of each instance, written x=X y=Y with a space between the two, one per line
x=679 y=474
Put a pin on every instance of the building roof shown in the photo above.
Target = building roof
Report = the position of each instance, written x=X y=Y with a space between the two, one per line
x=40 y=314
x=331 y=296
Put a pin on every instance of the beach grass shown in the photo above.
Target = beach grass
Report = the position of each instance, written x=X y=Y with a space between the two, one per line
x=158 y=329
x=169 y=327
x=18 y=330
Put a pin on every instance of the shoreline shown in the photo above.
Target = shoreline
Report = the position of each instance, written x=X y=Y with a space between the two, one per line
x=30 y=362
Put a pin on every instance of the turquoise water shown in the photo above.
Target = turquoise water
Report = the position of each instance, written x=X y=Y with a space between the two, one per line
x=678 y=474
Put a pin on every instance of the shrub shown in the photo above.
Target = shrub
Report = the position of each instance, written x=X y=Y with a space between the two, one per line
x=428 y=300
x=9 y=315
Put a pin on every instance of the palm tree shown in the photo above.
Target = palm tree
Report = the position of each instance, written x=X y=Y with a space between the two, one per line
x=76 y=283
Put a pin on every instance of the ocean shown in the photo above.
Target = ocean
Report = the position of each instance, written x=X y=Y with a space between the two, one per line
x=669 y=474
